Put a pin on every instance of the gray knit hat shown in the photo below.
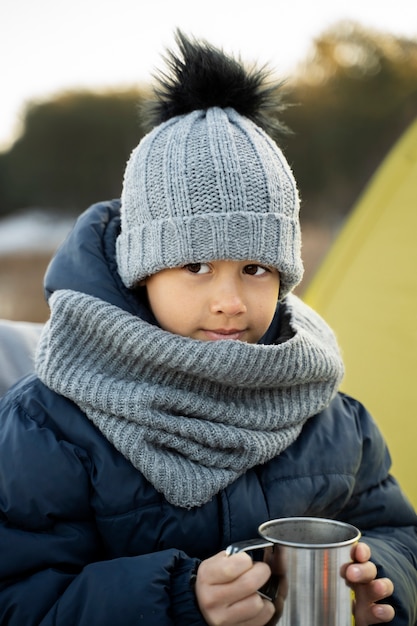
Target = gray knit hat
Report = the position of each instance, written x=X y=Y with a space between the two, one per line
x=208 y=183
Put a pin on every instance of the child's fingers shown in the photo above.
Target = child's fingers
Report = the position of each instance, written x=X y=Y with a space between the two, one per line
x=226 y=590
x=381 y=613
x=375 y=591
x=221 y=569
x=361 y=552
x=228 y=586
x=366 y=596
x=382 y=588
x=250 y=610
x=361 y=573
x=248 y=583
x=373 y=614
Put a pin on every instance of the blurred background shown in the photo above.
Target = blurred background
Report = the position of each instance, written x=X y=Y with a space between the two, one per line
x=74 y=74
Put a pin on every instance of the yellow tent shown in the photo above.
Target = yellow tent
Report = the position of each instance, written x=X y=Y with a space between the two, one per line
x=366 y=289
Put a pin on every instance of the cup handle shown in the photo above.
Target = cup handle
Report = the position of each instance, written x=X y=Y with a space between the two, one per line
x=269 y=590
x=247 y=546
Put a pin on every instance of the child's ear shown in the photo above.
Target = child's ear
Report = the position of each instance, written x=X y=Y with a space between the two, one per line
x=142 y=283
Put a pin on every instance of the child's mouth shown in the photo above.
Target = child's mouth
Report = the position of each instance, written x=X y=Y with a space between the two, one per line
x=222 y=333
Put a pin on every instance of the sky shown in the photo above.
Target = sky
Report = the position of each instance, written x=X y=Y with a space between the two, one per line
x=48 y=46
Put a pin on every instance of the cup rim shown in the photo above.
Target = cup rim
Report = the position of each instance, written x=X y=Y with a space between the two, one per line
x=282 y=521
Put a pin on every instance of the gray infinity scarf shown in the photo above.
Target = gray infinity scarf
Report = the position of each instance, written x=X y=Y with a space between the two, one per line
x=192 y=416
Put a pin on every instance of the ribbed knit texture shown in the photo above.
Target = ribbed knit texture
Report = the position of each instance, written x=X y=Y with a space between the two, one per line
x=206 y=186
x=192 y=416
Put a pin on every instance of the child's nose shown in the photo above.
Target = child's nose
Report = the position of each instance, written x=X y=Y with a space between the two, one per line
x=229 y=302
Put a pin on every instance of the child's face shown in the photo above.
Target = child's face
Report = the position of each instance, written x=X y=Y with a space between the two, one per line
x=215 y=300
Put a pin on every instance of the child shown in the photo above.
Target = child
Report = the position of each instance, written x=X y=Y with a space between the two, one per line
x=183 y=395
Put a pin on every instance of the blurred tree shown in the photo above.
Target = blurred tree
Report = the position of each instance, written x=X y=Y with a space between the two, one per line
x=357 y=93
x=72 y=151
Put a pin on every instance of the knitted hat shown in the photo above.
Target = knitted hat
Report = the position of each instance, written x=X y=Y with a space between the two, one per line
x=208 y=183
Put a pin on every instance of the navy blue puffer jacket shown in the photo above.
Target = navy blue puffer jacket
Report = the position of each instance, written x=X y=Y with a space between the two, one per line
x=86 y=540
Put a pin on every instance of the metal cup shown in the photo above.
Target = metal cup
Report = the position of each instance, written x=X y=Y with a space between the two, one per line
x=307 y=556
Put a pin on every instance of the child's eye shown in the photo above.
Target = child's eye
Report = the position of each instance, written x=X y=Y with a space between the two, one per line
x=197 y=268
x=255 y=270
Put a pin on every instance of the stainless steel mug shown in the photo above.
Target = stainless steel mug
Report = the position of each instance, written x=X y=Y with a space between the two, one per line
x=307 y=556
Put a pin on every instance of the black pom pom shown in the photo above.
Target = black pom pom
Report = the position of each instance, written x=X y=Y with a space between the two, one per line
x=202 y=76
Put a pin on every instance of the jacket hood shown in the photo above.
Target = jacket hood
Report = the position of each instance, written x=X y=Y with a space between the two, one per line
x=86 y=262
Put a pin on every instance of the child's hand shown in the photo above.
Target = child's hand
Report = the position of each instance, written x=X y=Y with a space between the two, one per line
x=361 y=576
x=226 y=591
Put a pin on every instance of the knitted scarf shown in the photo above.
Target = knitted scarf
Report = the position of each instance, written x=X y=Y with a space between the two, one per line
x=191 y=415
